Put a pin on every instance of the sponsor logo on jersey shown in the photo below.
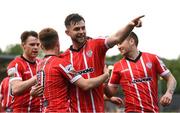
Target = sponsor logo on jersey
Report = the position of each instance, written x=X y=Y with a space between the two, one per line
x=140 y=80
x=69 y=68
x=149 y=65
x=124 y=70
x=27 y=72
x=89 y=53
x=85 y=71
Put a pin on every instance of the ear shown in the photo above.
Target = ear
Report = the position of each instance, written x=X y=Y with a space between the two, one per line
x=22 y=45
x=67 y=32
x=131 y=40
x=41 y=47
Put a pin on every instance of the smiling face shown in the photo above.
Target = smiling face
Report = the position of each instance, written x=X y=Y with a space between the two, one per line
x=31 y=47
x=77 y=32
x=124 y=47
x=127 y=47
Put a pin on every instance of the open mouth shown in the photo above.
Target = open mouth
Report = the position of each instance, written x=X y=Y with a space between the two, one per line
x=35 y=52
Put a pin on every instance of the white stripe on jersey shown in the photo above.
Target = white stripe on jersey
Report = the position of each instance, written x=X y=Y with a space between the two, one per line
x=8 y=94
x=150 y=92
x=161 y=63
x=30 y=69
x=77 y=91
x=137 y=92
x=92 y=98
x=16 y=66
x=30 y=99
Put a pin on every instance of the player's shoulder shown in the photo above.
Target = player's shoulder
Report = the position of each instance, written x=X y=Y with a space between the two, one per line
x=150 y=55
x=17 y=60
x=119 y=62
x=60 y=59
x=5 y=79
x=65 y=53
x=38 y=59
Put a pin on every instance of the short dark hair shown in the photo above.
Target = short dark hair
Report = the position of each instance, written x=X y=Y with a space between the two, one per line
x=48 y=38
x=26 y=34
x=134 y=36
x=73 y=19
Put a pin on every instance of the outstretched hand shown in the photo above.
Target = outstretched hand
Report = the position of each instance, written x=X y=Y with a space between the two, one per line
x=136 y=22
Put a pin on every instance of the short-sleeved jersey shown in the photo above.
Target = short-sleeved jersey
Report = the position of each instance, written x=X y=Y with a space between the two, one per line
x=139 y=81
x=58 y=75
x=89 y=62
x=23 y=70
x=6 y=97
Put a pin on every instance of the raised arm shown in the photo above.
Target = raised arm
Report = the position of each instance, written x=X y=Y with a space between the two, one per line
x=123 y=33
x=171 y=85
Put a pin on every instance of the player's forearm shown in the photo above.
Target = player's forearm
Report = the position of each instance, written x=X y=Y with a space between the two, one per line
x=171 y=85
x=94 y=82
x=123 y=33
x=120 y=35
x=20 y=86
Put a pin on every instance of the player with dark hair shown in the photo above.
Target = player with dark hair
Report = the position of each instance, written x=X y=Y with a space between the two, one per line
x=137 y=73
x=23 y=74
x=87 y=56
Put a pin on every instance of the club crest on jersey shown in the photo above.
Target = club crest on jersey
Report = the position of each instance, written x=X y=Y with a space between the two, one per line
x=89 y=53
x=149 y=65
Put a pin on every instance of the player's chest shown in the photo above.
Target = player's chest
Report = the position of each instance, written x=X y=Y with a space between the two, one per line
x=28 y=71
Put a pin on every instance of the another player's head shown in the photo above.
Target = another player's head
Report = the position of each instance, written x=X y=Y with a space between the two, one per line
x=30 y=44
x=75 y=28
x=49 y=39
x=129 y=44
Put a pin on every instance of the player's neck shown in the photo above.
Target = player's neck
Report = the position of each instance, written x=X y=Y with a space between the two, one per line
x=30 y=59
x=134 y=54
x=77 y=46
x=51 y=52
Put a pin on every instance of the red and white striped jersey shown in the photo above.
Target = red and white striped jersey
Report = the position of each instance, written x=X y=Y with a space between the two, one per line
x=89 y=62
x=6 y=97
x=58 y=74
x=23 y=70
x=139 y=81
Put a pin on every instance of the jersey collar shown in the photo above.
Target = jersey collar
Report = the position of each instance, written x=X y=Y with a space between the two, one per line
x=45 y=56
x=76 y=50
x=137 y=58
x=27 y=60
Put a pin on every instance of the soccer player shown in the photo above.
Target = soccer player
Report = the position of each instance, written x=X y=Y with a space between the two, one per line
x=137 y=73
x=23 y=72
x=5 y=96
x=56 y=74
x=87 y=56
